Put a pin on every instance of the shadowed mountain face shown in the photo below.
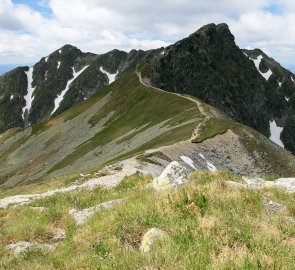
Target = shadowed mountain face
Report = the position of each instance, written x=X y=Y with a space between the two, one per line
x=247 y=86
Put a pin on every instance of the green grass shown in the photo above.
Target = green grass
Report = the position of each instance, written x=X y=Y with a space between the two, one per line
x=149 y=158
x=9 y=133
x=212 y=127
x=210 y=225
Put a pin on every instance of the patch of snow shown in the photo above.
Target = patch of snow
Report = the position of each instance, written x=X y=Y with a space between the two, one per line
x=163 y=52
x=58 y=64
x=257 y=62
x=287 y=99
x=280 y=84
x=30 y=90
x=11 y=97
x=201 y=155
x=245 y=54
x=188 y=161
x=60 y=51
x=46 y=72
x=111 y=77
x=275 y=133
x=60 y=97
x=292 y=79
x=210 y=166
x=46 y=59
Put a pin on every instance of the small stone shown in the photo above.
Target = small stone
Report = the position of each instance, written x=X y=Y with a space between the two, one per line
x=254 y=183
x=21 y=247
x=81 y=215
x=271 y=206
x=58 y=235
x=150 y=237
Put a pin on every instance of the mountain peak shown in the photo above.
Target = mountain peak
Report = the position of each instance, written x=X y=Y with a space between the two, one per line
x=214 y=31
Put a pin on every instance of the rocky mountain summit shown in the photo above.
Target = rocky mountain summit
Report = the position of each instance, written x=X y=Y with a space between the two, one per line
x=247 y=86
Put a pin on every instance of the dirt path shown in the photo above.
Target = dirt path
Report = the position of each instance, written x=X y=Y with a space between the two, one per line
x=199 y=104
x=172 y=93
x=129 y=167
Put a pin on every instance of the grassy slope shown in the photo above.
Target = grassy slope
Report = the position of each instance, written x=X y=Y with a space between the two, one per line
x=132 y=106
x=136 y=105
x=210 y=226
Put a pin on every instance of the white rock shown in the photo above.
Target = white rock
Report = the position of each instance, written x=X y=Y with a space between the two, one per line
x=173 y=176
x=257 y=183
x=22 y=247
x=285 y=183
x=254 y=183
x=150 y=237
x=81 y=215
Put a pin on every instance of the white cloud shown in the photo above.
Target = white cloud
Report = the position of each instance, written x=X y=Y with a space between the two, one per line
x=99 y=25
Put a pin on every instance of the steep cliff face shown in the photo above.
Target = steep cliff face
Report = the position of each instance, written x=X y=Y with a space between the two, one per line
x=210 y=66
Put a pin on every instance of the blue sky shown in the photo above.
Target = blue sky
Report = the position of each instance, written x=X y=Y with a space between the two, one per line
x=275 y=9
x=31 y=29
x=40 y=6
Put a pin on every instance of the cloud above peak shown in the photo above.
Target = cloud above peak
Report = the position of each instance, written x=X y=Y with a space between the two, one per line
x=34 y=28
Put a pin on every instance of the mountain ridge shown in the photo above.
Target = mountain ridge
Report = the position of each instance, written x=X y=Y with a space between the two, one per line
x=219 y=75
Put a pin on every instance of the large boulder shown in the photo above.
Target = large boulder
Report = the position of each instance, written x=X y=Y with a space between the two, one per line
x=173 y=176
